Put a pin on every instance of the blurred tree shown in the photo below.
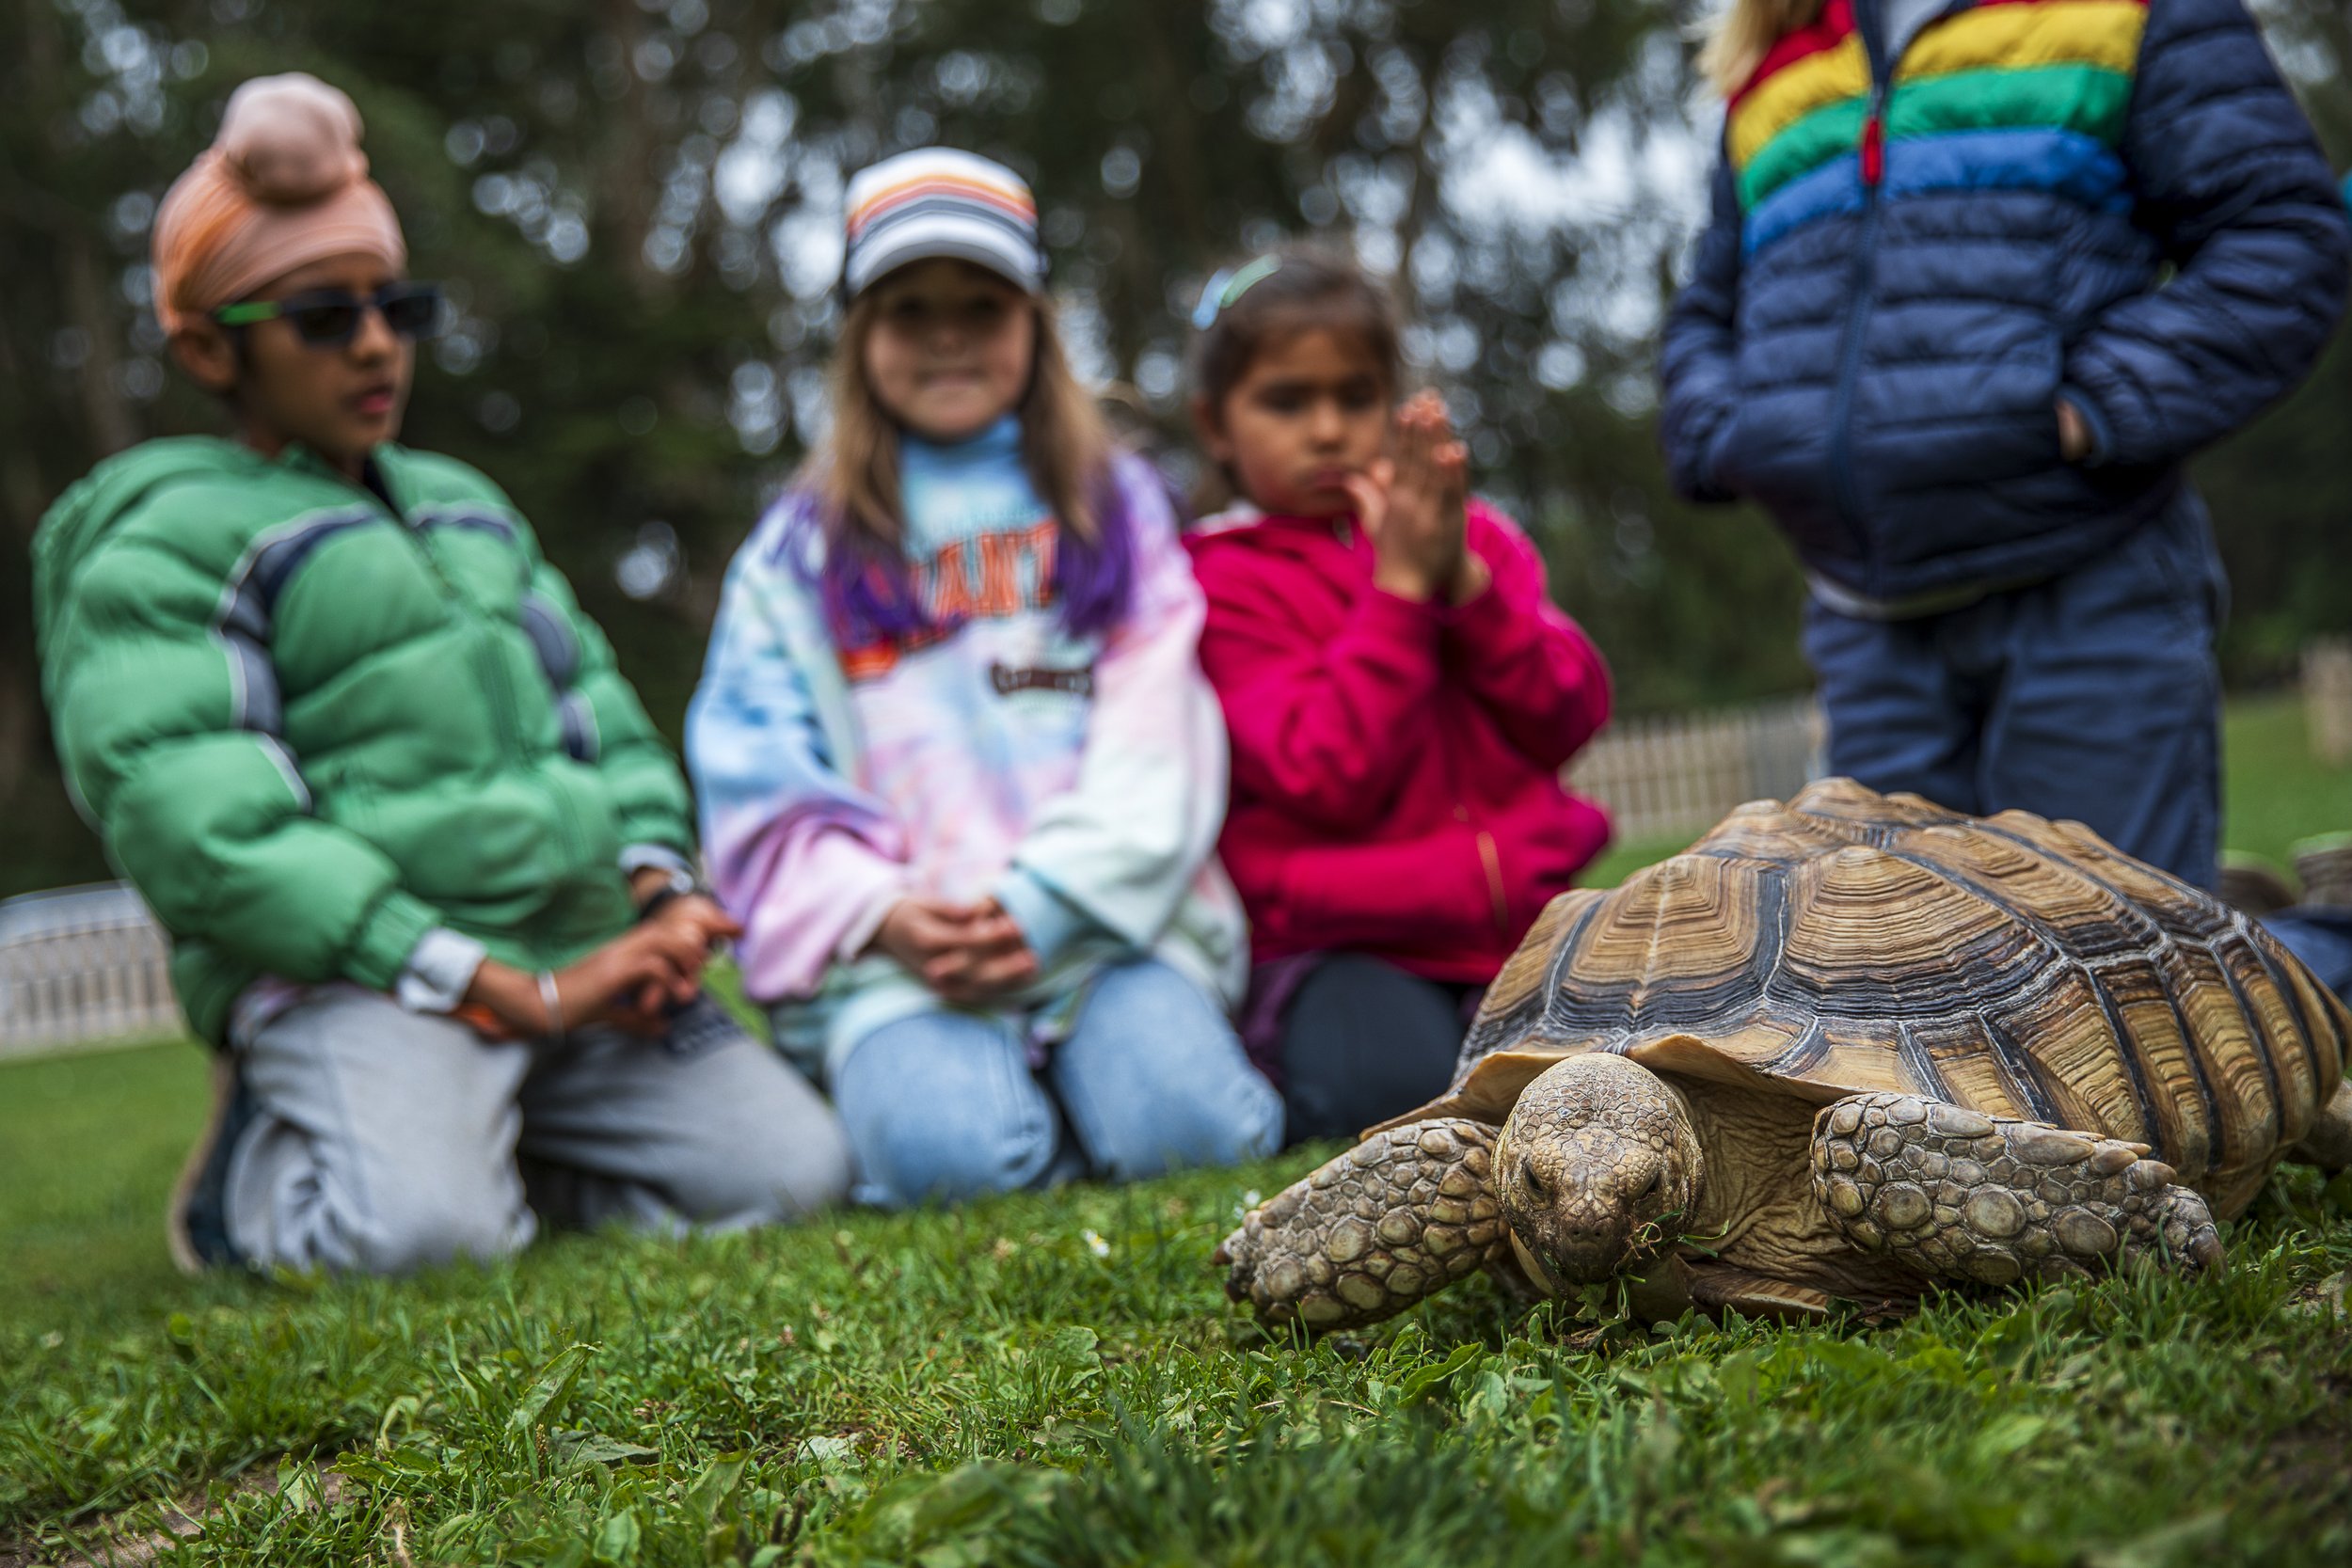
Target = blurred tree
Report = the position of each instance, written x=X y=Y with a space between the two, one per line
x=635 y=204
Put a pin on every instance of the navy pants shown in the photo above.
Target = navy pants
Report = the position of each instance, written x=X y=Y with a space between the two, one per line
x=2322 y=937
x=1364 y=1041
x=2094 y=695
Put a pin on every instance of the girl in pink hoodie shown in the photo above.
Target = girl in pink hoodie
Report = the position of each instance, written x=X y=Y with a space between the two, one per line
x=1400 y=694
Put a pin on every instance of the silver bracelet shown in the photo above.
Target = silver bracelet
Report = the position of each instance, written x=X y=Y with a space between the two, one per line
x=553 y=1003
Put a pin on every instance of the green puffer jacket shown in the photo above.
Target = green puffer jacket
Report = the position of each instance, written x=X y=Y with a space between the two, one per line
x=310 y=728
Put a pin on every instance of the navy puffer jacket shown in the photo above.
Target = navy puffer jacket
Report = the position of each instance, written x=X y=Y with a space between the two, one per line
x=1909 y=261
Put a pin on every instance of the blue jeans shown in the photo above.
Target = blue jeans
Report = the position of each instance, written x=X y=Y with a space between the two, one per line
x=2094 y=696
x=946 y=1106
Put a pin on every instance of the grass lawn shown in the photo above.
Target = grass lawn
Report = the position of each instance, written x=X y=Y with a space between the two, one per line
x=2274 y=791
x=1056 y=1379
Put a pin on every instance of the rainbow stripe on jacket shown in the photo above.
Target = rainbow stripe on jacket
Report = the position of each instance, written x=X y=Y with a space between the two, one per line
x=2005 y=95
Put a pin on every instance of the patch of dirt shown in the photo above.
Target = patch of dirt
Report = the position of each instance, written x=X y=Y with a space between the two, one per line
x=139 y=1535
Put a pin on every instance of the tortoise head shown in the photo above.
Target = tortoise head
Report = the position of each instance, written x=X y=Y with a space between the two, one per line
x=1596 y=1167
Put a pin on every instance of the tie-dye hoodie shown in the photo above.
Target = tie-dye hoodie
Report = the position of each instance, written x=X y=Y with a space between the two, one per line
x=1080 y=779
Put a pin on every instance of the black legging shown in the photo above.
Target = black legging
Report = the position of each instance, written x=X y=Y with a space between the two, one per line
x=1363 y=1041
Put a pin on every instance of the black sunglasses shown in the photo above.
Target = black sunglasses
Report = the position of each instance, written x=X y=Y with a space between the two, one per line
x=329 y=318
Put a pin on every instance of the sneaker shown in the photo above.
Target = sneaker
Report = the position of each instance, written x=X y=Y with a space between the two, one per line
x=2324 y=864
x=196 y=1224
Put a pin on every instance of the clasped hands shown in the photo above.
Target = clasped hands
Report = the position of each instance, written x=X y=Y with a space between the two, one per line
x=970 y=954
x=634 y=982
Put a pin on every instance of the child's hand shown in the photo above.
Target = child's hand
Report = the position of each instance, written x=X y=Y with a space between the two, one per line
x=698 y=924
x=2075 y=439
x=969 y=952
x=630 y=982
x=1413 y=506
x=638 y=978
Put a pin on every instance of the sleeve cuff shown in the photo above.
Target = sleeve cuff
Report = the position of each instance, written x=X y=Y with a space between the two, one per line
x=636 y=857
x=858 y=935
x=438 y=971
x=1397 y=619
x=1049 y=922
x=380 y=948
x=1483 y=620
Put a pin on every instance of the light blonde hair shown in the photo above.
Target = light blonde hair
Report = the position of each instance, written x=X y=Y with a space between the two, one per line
x=1065 y=441
x=1744 y=32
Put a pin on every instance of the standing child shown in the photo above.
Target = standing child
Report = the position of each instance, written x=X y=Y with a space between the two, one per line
x=1981 y=279
x=960 y=775
x=1401 y=697
x=425 y=865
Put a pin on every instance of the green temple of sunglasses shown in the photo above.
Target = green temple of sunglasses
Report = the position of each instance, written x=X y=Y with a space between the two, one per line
x=329 y=318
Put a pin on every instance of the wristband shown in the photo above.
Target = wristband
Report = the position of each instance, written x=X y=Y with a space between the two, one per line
x=682 y=883
x=553 y=1003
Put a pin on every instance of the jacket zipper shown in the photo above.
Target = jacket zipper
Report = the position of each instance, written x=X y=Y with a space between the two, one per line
x=1872 y=154
x=1491 y=858
x=1489 y=862
x=482 y=637
x=486 y=658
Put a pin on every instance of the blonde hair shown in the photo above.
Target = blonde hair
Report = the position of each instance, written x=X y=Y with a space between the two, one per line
x=1745 y=33
x=1065 y=441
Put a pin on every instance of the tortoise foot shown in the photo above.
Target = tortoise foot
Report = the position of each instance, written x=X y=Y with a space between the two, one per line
x=1398 y=1217
x=1989 y=1201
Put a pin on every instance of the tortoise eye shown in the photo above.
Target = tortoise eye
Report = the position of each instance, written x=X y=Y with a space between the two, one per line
x=1655 y=1182
x=1532 y=1180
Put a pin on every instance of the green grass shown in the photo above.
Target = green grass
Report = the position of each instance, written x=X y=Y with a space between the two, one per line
x=2274 y=791
x=90 y=1143
x=1056 y=1379
x=992 y=1385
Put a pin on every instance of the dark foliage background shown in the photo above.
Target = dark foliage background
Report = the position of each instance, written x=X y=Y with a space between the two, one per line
x=634 y=205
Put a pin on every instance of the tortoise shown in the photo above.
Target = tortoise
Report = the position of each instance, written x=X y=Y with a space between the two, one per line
x=1851 y=1048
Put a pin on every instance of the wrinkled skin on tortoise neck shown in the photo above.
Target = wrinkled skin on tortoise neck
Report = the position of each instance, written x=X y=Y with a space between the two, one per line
x=1598 y=1168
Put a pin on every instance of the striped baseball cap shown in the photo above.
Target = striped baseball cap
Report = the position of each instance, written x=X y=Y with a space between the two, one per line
x=940 y=201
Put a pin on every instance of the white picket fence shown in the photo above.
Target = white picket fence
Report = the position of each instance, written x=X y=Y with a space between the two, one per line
x=1676 y=776
x=82 y=966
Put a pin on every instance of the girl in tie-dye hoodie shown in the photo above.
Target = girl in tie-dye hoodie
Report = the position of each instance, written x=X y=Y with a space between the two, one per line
x=961 y=776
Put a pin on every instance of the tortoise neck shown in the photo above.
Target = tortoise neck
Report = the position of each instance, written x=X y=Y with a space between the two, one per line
x=1750 y=1144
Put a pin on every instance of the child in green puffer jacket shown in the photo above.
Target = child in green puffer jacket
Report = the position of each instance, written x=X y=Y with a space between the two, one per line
x=427 y=866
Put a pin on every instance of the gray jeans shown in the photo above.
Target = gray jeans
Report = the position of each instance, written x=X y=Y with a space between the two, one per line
x=388 y=1140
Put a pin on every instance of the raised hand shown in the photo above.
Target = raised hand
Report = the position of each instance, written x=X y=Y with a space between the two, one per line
x=1413 y=506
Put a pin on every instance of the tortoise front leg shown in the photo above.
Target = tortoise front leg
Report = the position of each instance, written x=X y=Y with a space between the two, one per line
x=1398 y=1217
x=1963 y=1197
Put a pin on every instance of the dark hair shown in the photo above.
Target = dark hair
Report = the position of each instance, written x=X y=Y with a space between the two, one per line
x=1305 y=291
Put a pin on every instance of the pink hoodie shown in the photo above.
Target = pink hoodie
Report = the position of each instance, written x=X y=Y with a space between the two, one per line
x=1396 y=765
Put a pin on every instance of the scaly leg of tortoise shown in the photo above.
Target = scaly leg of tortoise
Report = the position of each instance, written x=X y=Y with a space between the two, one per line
x=1969 y=1197
x=1400 y=1217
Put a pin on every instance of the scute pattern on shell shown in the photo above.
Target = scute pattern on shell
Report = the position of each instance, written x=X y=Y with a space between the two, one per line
x=1849 y=942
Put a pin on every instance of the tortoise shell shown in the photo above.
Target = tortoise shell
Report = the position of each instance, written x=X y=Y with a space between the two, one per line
x=1852 y=942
